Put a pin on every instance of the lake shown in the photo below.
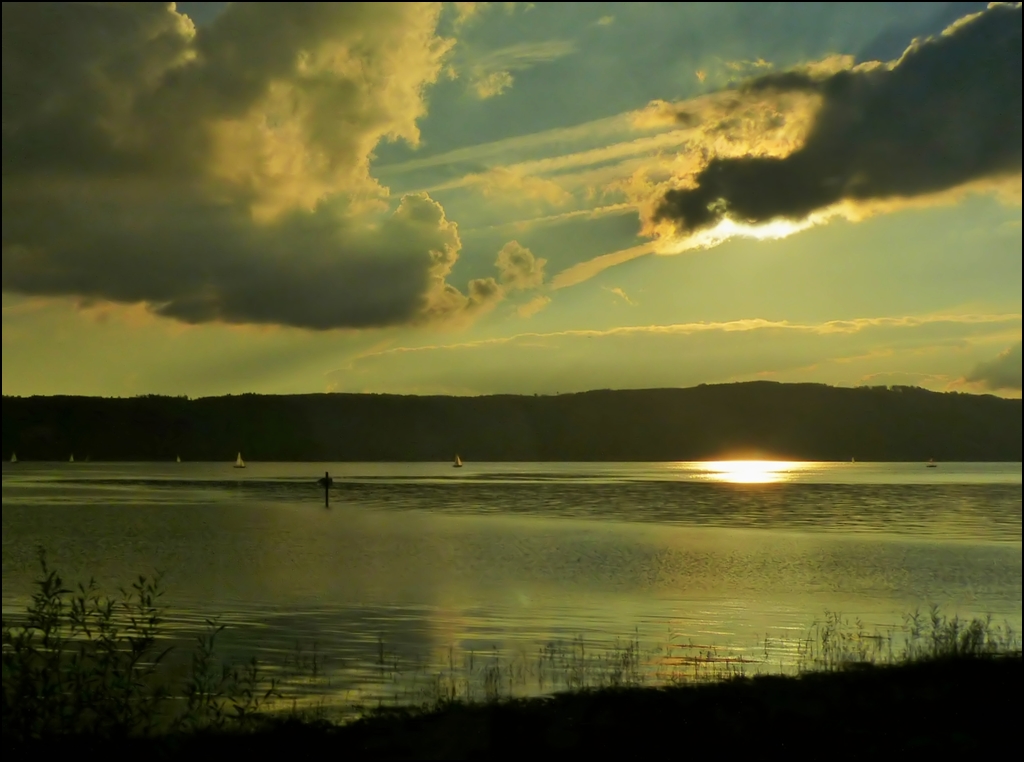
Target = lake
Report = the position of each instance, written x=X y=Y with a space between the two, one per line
x=435 y=565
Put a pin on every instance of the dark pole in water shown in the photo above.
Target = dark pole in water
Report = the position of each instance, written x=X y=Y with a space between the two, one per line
x=327 y=481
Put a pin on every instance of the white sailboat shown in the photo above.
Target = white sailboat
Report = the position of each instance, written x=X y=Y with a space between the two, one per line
x=14 y=457
x=458 y=462
x=72 y=458
x=239 y=463
x=177 y=459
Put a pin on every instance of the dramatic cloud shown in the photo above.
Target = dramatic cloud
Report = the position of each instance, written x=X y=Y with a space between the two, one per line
x=491 y=73
x=1004 y=372
x=467 y=12
x=315 y=270
x=518 y=270
x=223 y=173
x=947 y=114
x=583 y=271
x=489 y=84
x=518 y=267
x=533 y=306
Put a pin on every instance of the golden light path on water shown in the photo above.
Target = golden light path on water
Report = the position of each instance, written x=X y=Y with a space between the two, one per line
x=421 y=582
x=752 y=471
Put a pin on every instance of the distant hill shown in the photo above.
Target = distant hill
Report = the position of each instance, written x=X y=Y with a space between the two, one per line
x=801 y=421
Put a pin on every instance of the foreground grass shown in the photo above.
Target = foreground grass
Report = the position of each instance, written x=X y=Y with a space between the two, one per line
x=86 y=673
x=934 y=709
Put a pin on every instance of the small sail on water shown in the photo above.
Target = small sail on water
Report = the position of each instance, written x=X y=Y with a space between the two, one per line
x=72 y=458
x=931 y=463
x=458 y=462
x=14 y=457
x=177 y=459
x=239 y=463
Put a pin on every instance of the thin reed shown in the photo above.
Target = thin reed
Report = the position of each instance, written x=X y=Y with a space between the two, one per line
x=81 y=663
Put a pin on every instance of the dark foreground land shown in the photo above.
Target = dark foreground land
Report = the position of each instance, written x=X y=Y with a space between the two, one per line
x=800 y=421
x=936 y=709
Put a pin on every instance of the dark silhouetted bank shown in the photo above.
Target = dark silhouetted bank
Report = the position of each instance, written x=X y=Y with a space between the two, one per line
x=799 y=421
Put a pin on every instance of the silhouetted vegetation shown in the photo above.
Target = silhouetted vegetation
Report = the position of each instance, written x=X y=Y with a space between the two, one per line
x=801 y=421
x=82 y=663
x=84 y=673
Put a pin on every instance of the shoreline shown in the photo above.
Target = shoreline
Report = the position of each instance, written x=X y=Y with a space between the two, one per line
x=935 y=708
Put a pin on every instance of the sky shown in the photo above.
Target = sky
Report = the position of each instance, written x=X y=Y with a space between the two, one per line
x=478 y=198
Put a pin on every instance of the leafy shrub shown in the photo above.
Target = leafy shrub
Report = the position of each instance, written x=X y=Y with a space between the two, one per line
x=84 y=663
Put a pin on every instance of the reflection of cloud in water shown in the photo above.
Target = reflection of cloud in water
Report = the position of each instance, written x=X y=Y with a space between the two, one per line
x=510 y=557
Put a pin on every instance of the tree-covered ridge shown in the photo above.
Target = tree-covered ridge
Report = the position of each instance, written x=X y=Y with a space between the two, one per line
x=802 y=421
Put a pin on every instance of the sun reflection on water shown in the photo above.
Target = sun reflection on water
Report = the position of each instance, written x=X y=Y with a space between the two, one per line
x=752 y=471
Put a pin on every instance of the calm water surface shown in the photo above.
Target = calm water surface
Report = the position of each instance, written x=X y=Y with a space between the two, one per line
x=503 y=558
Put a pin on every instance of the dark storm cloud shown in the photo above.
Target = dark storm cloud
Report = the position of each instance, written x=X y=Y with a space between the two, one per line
x=222 y=173
x=1004 y=372
x=948 y=113
x=198 y=265
x=891 y=43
